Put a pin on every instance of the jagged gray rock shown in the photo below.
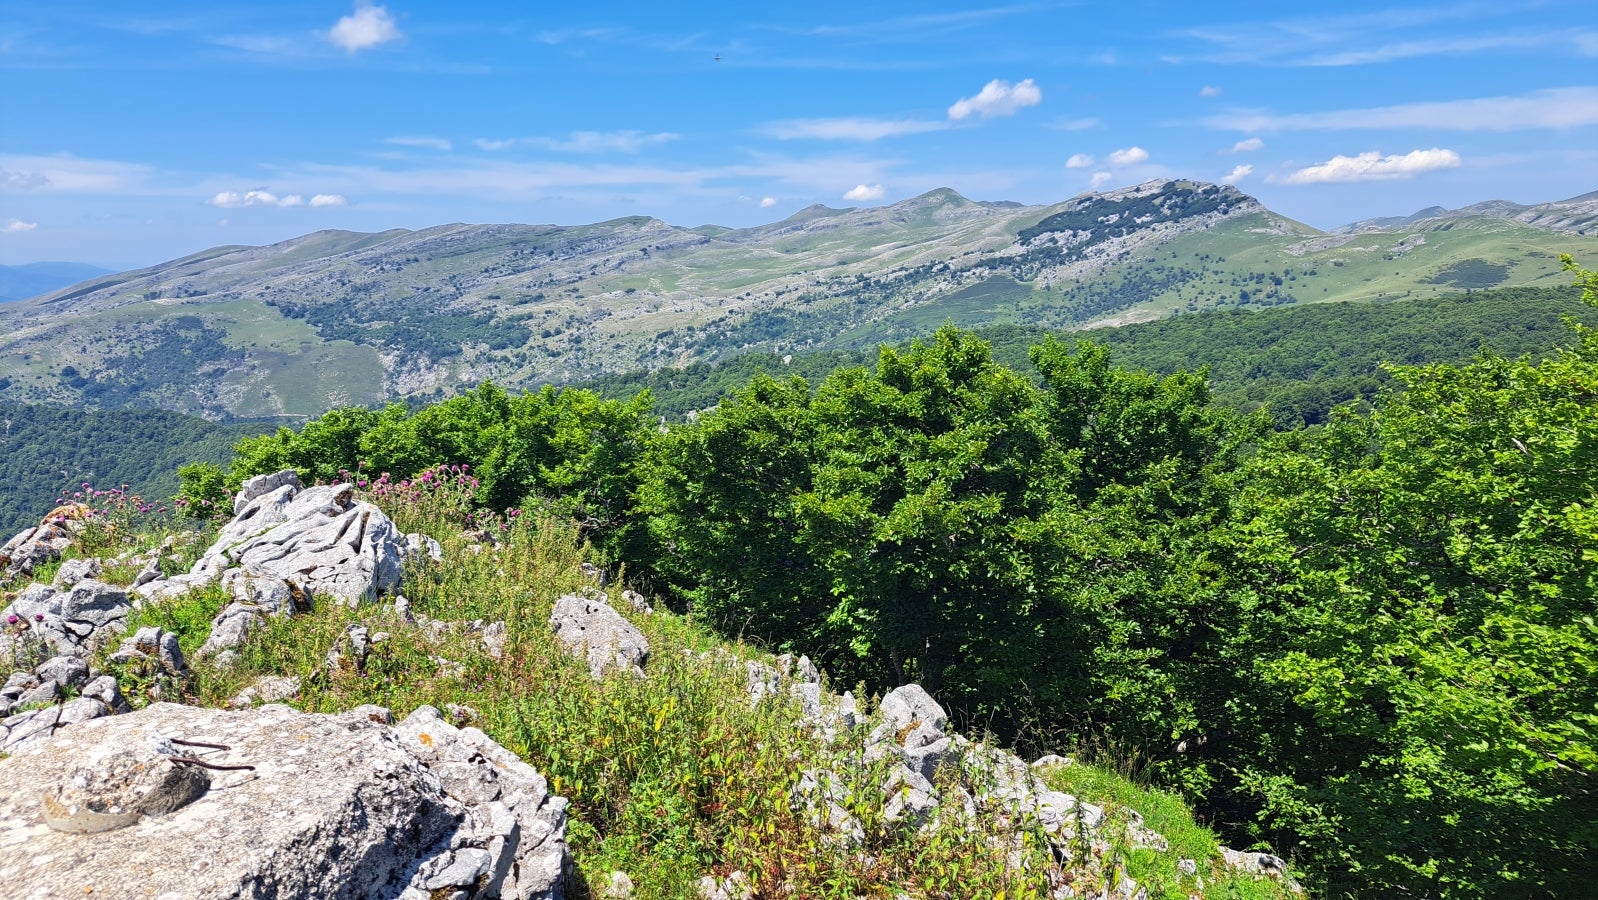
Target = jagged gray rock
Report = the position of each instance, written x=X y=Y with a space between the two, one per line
x=53 y=622
x=319 y=540
x=594 y=632
x=155 y=647
x=265 y=484
x=907 y=705
x=75 y=570
x=35 y=726
x=336 y=806
x=33 y=547
x=266 y=689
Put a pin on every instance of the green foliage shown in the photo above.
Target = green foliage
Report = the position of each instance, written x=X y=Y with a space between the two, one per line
x=566 y=447
x=1299 y=362
x=1370 y=645
x=49 y=452
x=668 y=777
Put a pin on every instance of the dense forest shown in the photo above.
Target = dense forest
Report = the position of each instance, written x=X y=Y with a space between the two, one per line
x=1299 y=361
x=50 y=451
x=1369 y=645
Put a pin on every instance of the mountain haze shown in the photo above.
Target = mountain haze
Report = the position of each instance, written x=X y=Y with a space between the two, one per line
x=340 y=317
x=32 y=279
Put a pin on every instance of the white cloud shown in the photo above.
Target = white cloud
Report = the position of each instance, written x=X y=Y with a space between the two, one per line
x=1209 y=90
x=1098 y=179
x=486 y=144
x=1079 y=161
x=442 y=145
x=17 y=226
x=1245 y=146
x=861 y=192
x=236 y=200
x=997 y=98
x=1129 y=156
x=368 y=26
x=1375 y=167
x=848 y=128
x=1238 y=174
x=768 y=202
x=329 y=200
x=1571 y=107
x=603 y=141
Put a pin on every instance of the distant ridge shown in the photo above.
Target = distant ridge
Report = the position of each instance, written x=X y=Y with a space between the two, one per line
x=33 y=279
x=340 y=317
x=1577 y=215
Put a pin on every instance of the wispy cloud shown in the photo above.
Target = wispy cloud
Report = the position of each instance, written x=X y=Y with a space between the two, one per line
x=443 y=145
x=997 y=98
x=1247 y=145
x=1209 y=90
x=1079 y=161
x=864 y=192
x=22 y=181
x=912 y=28
x=17 y=226
x=849 y=128
x=1237 y=174
x=1375 y=167
x=603 y=141
x=768 y=202
x=368 y=26
x=1570 y=107
x=1369 y=38
x=1074 y=124
x=1099 y=179
x=72 y=173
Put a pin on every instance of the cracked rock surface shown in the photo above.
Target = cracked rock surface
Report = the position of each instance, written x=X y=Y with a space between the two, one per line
x=336 y=806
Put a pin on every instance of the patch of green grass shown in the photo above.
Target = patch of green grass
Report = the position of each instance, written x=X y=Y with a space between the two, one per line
x=1168 y=815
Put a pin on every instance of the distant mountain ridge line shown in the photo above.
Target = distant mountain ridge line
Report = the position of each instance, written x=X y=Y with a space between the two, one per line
x=335 y=317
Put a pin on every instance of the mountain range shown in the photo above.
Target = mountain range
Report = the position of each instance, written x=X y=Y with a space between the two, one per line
x=339 y=317
x=31 y=279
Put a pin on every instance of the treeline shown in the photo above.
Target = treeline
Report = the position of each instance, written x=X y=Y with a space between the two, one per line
x=48 y=450
x=1370 y=645
x=1298 y=362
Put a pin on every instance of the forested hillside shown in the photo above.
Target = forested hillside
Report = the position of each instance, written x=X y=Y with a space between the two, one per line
x=1299 y=361
x=1368 y=646
x=50 y=452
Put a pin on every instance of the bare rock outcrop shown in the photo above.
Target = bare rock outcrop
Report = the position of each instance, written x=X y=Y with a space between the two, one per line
x=593 y=631
x=296 y=805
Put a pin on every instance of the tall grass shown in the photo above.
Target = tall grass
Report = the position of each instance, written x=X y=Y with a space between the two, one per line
x=670 y=777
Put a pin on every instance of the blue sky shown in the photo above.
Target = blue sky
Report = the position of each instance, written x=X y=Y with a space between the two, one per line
x=131 y=133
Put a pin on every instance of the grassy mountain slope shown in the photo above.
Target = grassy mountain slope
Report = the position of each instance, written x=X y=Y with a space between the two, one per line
x=340 y=317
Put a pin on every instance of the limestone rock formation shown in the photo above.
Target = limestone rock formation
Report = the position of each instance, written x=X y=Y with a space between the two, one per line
x=46 y=621
x=297 y=805
x=594 y=632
